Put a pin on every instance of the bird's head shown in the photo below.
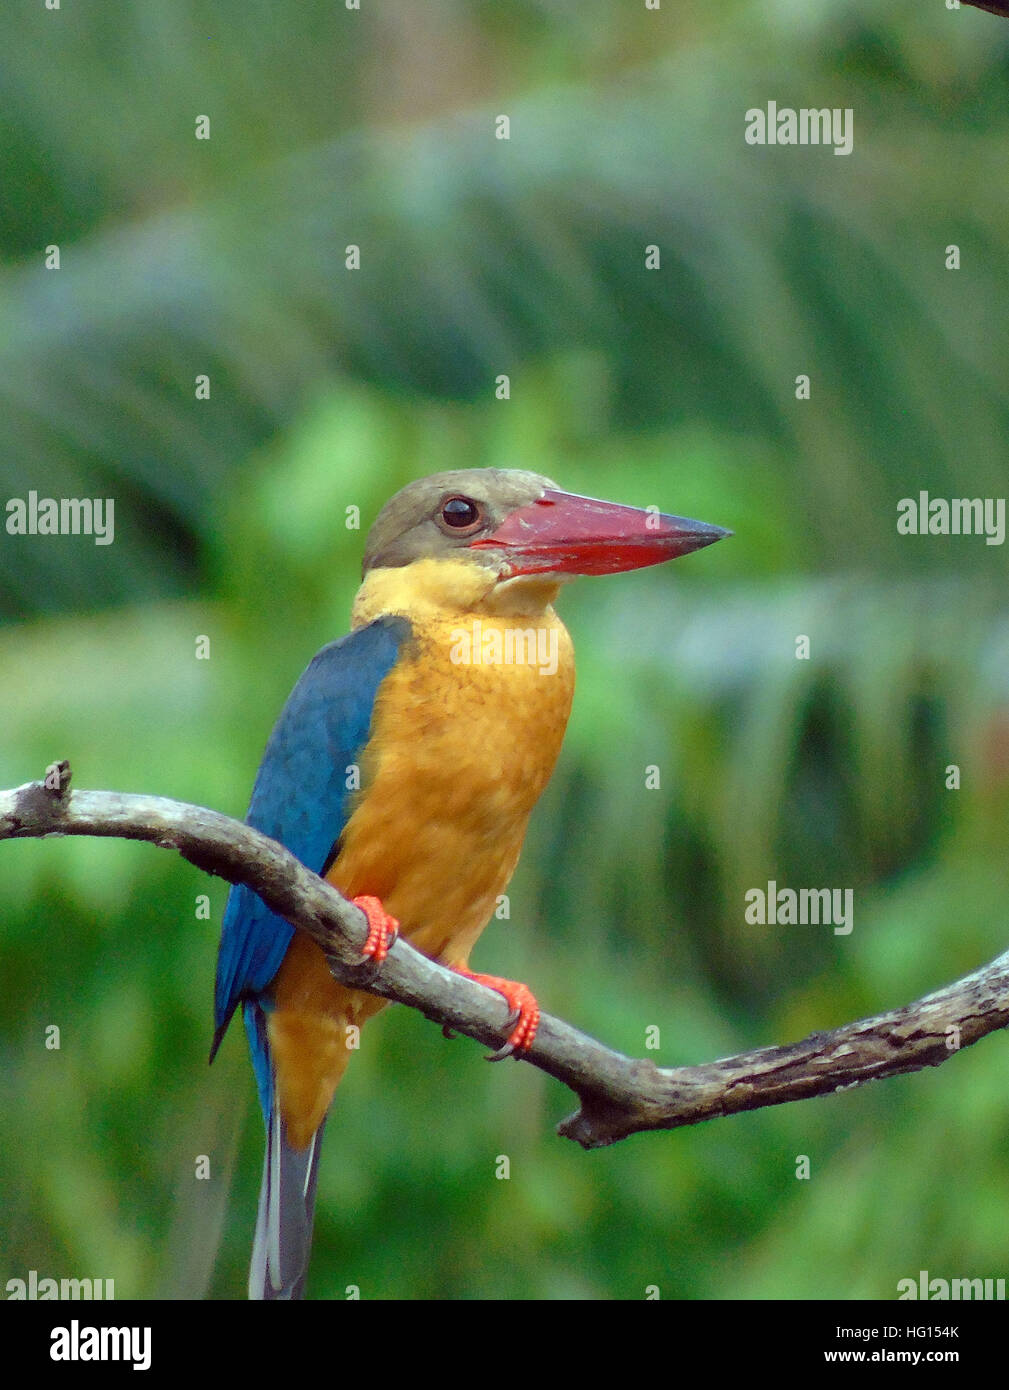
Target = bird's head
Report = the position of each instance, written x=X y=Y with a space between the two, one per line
x=522 y=531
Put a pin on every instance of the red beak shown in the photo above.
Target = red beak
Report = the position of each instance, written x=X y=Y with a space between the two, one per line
x=563 y=533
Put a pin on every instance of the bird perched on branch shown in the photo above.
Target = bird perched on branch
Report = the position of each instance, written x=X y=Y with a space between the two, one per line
x=403 y=769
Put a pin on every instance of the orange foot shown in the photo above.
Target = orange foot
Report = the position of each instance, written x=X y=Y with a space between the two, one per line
x=526 y=1015
x=382 y=929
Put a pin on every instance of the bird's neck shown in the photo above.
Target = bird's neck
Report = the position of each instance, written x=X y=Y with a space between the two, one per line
x=451 y=589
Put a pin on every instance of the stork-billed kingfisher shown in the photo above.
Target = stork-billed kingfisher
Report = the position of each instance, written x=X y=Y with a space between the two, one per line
x=403 y=769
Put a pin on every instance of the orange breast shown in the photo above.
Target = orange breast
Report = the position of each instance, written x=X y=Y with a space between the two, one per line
x=461 y=748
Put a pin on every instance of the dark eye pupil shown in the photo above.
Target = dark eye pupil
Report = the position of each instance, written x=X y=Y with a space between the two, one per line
x=459 y=511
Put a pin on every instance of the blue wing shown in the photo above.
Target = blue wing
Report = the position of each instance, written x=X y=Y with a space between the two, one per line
x=300 y=798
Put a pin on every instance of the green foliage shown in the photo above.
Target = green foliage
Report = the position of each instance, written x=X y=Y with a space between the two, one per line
x=331 y=388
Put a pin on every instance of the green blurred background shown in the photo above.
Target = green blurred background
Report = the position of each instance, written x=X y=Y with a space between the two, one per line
x=673 y=387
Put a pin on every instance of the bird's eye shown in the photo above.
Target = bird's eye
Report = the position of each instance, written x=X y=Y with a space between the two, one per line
x=461 y=514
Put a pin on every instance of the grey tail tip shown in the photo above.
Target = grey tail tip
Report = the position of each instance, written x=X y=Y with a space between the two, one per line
x=283 y=1241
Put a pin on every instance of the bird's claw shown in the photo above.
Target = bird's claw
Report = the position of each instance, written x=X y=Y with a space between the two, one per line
x=508 y=1048
x=523 y=1020
x=382 y=929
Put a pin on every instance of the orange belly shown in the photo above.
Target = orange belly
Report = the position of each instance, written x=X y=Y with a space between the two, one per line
x=458 y=756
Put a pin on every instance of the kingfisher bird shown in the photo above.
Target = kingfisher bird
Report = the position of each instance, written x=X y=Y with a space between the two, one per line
x=403 y=769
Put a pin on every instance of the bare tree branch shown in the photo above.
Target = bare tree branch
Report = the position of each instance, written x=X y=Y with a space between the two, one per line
x=619 y=1095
